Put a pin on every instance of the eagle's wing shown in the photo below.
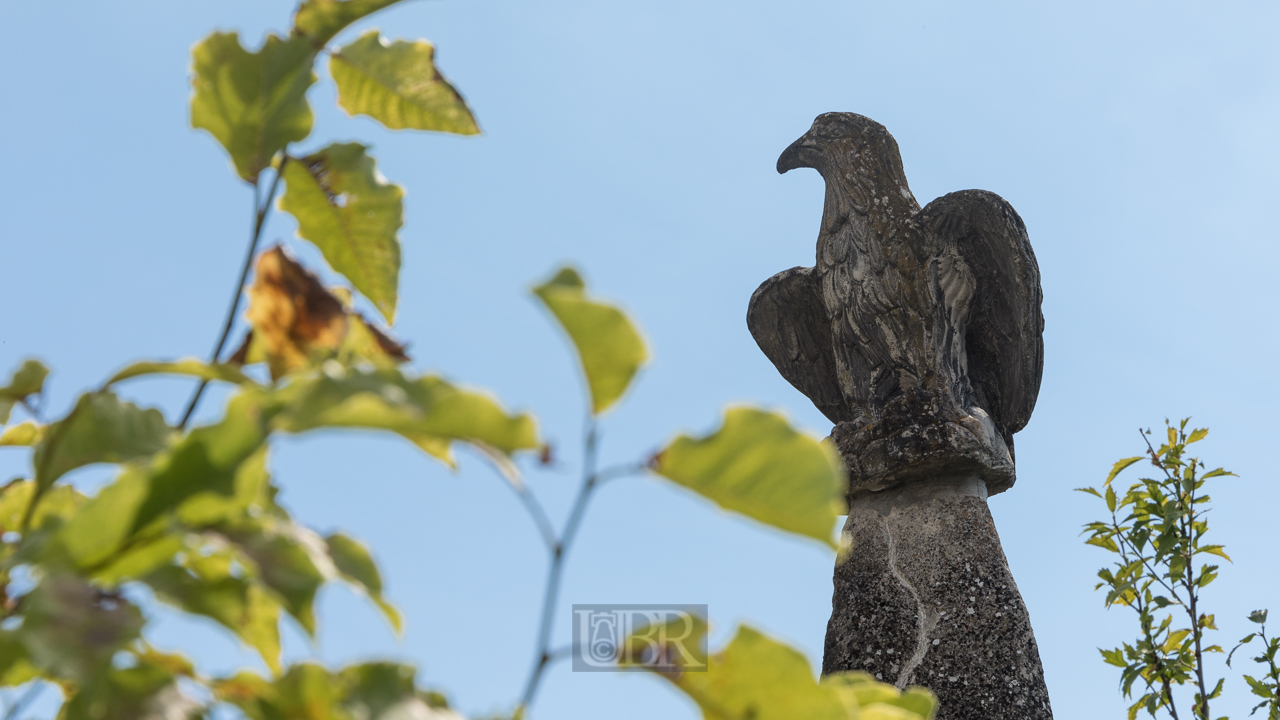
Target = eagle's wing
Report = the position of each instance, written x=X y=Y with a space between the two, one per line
x=789 y=322
x=1003 y=342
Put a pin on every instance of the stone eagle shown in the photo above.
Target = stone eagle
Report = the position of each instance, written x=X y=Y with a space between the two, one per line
x=940 y=303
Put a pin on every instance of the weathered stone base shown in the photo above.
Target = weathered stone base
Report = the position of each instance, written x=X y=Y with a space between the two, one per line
x=925 y=597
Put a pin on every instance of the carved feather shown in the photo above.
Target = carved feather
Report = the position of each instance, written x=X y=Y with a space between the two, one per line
x=1003 y=342
x=789 y=322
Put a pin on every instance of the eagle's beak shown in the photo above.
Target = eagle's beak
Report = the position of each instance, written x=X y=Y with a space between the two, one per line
x=801 y=153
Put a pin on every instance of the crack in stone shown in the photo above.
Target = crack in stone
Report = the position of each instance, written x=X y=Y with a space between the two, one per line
x=927 y=619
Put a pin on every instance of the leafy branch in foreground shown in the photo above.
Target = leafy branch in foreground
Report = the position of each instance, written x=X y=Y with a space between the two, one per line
x=191 y=518
x=1157 y=531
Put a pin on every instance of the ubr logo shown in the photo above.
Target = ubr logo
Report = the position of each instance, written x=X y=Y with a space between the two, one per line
x=662 y=638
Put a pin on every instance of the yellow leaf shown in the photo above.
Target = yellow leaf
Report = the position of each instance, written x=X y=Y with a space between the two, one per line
x=1120 y=465
x=759 y=678
x=27 y=433
x=758 y=465
x=347 y=209
x=609 y=346
x=398 y=85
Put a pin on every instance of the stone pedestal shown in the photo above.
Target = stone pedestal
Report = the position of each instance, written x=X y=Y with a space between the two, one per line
x=925 y=597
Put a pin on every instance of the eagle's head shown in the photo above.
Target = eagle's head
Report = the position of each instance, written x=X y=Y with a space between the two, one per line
x=857 y=157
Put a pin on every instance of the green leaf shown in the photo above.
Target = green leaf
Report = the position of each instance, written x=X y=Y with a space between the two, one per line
x=356 y=565
x=1258 y=616
x=1175 y=639
x=1198 y=435
x=368 y=691
x=399 y=86
x=103 y=524
x=15 y=496
x=348 y=210
x=249 y=692
x=422 y=409
x=253 y=103
x=291 y=560
x=52 y=509
x=189 y=367
x=1258 y=688
x=1217 y=473
x=23 y=434
x=145 y=691
x=1120 y=465
x=252 y=495
x=758 y=465
x=307 y=691
x=1208 y=574
x=1111 y=498
x=134 y=562
x=15 y=668
x=1215 y=550
x=1105 y=543
x=207 y=460
x=385 y=691
x=1091 y=491
x=609 y=346
x=1113 y=657
x=758 y=678
x=72 y=629
x=27 y=380
x=867 y=699
x=101 y=428
x=320 y=20
x=208 y=588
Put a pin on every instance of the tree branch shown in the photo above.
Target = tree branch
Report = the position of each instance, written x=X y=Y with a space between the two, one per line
x=590 y=480
x=261 y=209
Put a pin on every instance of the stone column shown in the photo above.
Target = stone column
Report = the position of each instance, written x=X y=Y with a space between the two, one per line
x=924 y=595
x=926 y=598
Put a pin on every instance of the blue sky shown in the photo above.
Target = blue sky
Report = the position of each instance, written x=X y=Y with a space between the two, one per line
x=1137 y=141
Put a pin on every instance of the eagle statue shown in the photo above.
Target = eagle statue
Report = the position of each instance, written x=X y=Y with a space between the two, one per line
x=917 y=331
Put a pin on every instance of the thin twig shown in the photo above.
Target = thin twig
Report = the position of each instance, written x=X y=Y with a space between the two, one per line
x=530 y=502
x=261 y=210
x=619 y=471
x=590 y=480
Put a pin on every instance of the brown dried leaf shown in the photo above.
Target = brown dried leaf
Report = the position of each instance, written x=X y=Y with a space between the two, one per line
x=293 y=316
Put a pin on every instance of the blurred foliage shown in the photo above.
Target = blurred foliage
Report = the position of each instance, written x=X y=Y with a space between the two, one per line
x=190 y=514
